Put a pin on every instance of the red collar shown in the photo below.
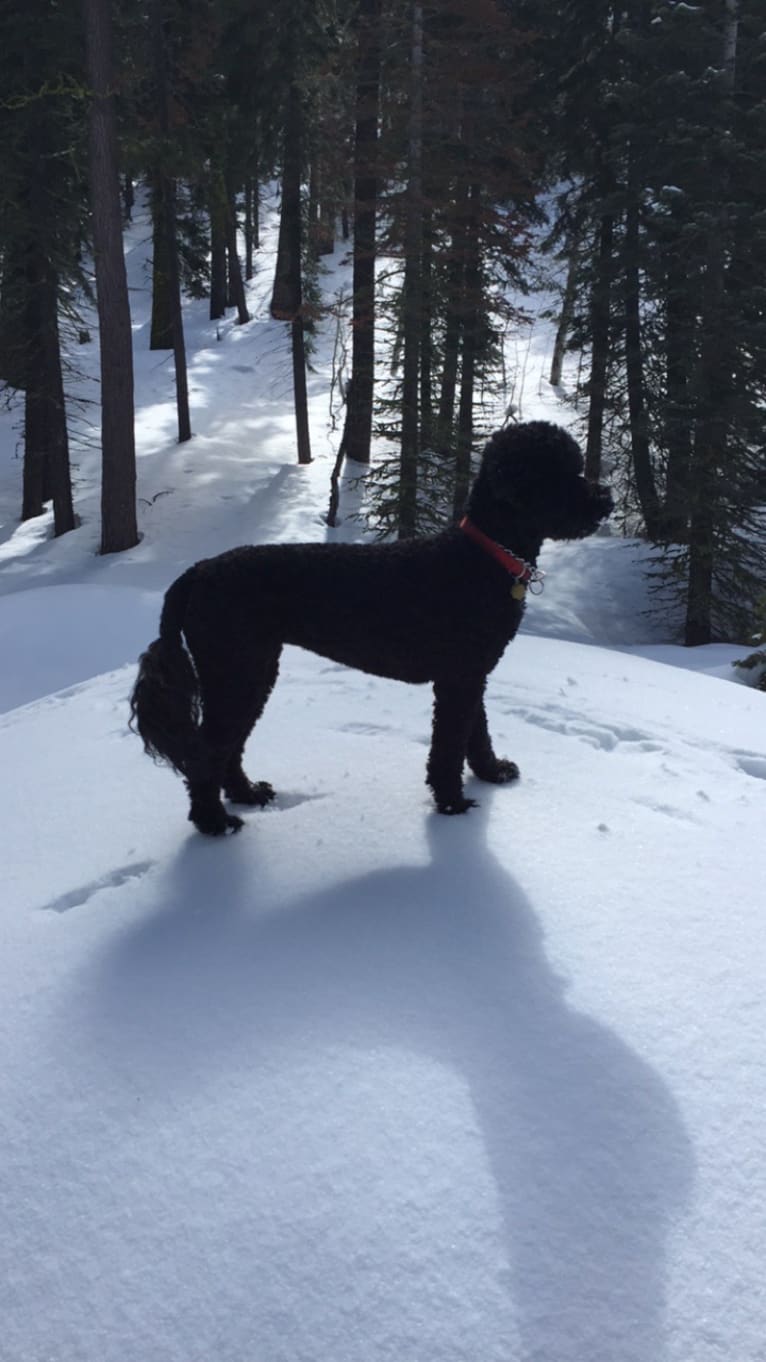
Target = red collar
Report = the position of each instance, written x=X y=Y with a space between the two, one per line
x=518 y=568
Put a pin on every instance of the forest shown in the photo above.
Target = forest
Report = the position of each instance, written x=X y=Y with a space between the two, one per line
x=448 y=148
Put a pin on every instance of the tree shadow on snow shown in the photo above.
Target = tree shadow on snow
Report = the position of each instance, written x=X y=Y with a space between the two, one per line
x=586 y=1147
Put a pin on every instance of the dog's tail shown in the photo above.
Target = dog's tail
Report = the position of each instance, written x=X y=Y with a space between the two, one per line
x=165 y=703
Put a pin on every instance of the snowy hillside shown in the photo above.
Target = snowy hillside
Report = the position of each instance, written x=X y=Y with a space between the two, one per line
x=364 y=1084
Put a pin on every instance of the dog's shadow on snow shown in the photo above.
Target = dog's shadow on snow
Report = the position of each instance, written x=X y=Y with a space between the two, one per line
x=586 y=1146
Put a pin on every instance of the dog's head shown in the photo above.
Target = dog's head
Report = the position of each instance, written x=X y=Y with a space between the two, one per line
x=531 y=484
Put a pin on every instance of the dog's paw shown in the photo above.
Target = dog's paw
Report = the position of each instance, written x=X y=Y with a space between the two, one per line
x=256 y=793
x=220 y=826
x=504 y=772
x=451 y=806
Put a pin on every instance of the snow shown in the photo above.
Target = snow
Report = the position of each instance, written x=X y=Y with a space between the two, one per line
x=363 y=1082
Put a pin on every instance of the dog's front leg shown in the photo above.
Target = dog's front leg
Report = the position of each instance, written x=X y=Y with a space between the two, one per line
x=481 y=755
x=455 y=705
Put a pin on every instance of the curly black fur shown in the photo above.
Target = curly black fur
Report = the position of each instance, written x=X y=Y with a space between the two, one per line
x=433 y=610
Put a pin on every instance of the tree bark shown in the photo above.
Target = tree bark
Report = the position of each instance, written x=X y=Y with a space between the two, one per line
x=35 y=488
x=679 y=362
x=251 y=224
x=286 y=297
x=287 y=294
x=217 y=247
x=711 y=426
x=454 y=308
x=600 y=329
x=167 y=235
x=161 y=332
x=565 y=318
x=634 y=367
x=236 y=283
x=118 y=491
x=469 y=329
x=59 y=476
x=427 y=427
x=358 y=424
x=413 y=289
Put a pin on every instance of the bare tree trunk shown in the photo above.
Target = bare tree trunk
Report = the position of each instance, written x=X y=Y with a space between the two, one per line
x=252 y=232
x=236 y=283
x=470 y=328
x=634 y=366
x=413 y=289
x=161 y=332
x=118 y=491
x=59 y=476
x=600 y=329
x=454 y=313
x=299 y=390
x=565 y=318
x=710 y=435
x=46 y=474
x=287 y=294
x=358 y=424
x=166 y=236
x=128 y=196
x=217 y=199
x=679 y=361
x=35 y=484
x=427 y=428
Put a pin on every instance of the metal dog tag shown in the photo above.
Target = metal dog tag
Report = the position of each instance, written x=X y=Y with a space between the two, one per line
x=518 y=591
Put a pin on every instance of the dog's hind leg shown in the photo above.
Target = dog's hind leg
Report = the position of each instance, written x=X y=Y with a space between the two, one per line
x=481 y=756
x=236 y=784
x=455 y=708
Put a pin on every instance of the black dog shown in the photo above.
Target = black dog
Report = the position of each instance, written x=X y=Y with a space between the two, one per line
x=440 y=609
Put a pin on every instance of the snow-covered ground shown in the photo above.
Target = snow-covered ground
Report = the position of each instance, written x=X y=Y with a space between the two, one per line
x=363 y=1084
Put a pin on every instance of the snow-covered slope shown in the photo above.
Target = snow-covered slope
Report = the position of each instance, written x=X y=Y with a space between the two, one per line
x=363 y=1084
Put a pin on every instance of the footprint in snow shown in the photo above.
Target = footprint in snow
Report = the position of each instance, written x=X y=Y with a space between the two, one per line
x=752 y=764
x=113 y=880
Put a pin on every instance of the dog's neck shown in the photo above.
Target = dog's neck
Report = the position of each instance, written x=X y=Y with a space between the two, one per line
x=499 y=524
x=518 y=568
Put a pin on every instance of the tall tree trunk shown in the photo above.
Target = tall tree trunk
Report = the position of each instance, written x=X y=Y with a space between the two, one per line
x=59 y=476
x=312 y=229
x=679 y=363
x=118 y=489
x=287 y=294
x=413 y=288
x=300 y=395
x=251 y=224
x=358 y=424
x=634 y=367
x=427 y=427
x=161 y=332
x=454 y=308
x=167 y=236
x=470 y=336
x=128 y=196
x=46 y=474
x=714 y=396
x=565 y=318
x=35 y=484
x=600 y=330
x=236 y=283
x=217 y=246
